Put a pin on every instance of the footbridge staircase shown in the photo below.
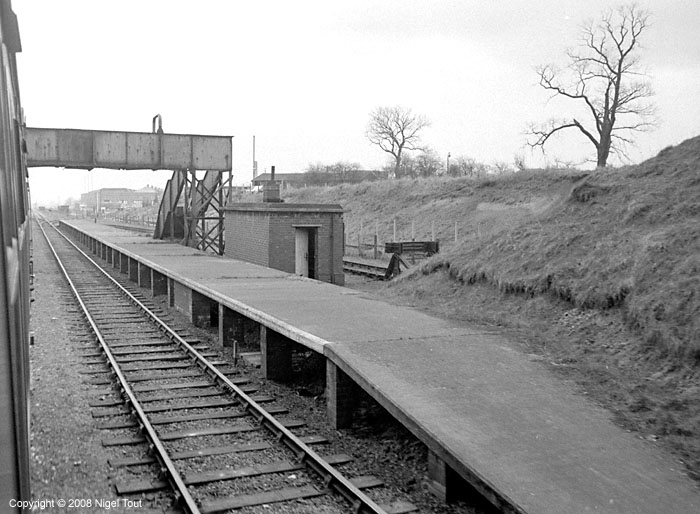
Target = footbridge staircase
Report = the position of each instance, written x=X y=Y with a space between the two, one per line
x=191 y=210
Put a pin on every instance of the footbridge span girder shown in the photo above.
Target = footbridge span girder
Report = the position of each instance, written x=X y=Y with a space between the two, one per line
x=191 y=209
x=88 y=149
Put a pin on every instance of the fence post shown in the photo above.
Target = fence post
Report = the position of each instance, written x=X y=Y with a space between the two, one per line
x=359 y=241
x=376 y=238
x=413 y=230
x=394 y=230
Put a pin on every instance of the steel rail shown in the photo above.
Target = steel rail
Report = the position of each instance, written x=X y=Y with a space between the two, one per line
x=182 y=494
x=333 y=479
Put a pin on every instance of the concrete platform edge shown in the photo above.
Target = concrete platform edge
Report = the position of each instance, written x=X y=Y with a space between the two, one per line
x=304 y=338
x=428 y=438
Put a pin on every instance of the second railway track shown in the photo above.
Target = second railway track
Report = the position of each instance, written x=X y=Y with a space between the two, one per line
x=191 y=428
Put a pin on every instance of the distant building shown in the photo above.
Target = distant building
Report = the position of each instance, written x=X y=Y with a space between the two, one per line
x=316 y=179
x=285 y=179
x=120 y=197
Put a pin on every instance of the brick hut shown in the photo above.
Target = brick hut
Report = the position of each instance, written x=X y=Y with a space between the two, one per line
x=305 y=239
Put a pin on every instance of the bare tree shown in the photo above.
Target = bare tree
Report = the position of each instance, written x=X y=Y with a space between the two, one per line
x=342 y=171
x=395 y=130
x=501 y=168
x=340 y=168
x=428 y=163
x=463 y=166
x=603 y=76
x=407 y=169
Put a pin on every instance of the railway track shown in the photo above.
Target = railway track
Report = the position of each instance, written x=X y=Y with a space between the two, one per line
x=189 y=428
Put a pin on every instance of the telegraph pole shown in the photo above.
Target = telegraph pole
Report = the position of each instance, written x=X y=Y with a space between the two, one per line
x=255 y=163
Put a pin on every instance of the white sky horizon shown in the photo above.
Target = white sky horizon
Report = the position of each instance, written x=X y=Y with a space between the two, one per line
x=303 y=77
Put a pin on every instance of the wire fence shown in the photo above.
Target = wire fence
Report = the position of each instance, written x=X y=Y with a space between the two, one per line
x=367 y=238
x=133 y=219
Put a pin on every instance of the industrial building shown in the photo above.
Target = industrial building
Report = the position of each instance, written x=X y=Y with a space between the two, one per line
x=109 y=198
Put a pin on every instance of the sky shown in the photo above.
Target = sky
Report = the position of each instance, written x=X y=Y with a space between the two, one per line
x=304 y=76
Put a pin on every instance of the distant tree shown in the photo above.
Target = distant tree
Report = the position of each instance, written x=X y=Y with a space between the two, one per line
x=603 y=75
x=316 y=174
x=316 y=167
x=407 y=168
x=342 y=168
x=453 y=170
x=428 y=163
x=463 y=166
x=319 y=173
x=425 y=164
x=563 y=164
x=396 y=130
x=501 y=168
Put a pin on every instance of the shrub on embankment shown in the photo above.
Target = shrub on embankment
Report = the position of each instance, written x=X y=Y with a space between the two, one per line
x=625 y=238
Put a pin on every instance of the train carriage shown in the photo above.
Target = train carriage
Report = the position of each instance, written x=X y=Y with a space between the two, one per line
x=14 y=274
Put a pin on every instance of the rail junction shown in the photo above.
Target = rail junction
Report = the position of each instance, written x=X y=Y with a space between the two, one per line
x=492 y=419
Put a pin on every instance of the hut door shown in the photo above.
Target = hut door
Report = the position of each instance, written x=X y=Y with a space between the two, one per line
x=305 y=252
x=302 y=252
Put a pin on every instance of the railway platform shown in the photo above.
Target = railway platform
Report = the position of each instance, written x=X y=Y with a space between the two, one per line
x=490 y=416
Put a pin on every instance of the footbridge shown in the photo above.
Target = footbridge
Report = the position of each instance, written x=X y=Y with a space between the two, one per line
x=191 y=209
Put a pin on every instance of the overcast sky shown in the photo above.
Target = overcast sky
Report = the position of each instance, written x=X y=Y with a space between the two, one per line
x=303 y=76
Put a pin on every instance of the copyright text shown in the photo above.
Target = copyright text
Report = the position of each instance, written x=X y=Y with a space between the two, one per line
x=75 y=503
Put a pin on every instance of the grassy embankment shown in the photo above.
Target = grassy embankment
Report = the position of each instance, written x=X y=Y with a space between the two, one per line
x=598 y=272
x=627 y=238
